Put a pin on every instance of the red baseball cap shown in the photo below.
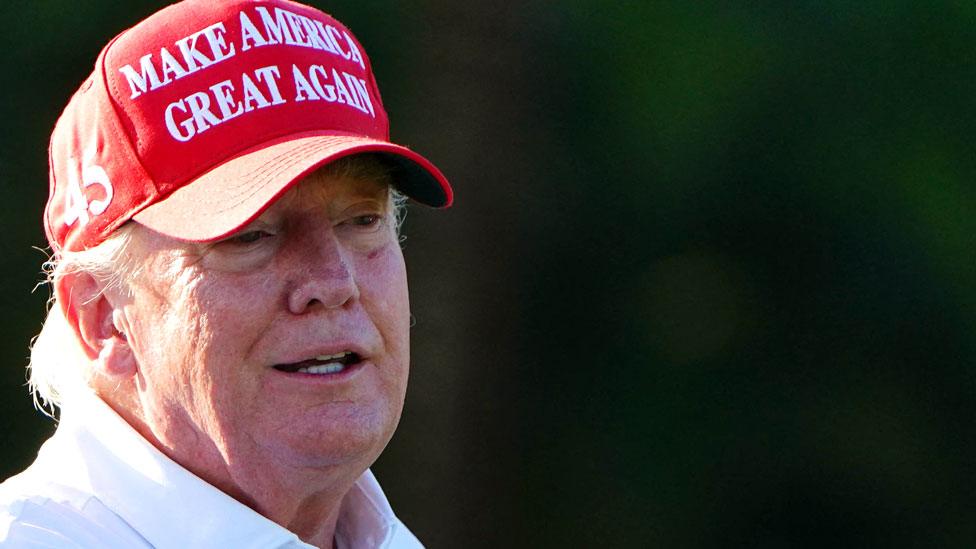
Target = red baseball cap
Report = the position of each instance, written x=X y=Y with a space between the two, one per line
x=199 y=117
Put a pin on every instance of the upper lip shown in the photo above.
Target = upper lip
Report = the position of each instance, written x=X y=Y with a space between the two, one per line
x=329 y=350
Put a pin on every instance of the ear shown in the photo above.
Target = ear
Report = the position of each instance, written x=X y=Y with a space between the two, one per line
x=98 y=320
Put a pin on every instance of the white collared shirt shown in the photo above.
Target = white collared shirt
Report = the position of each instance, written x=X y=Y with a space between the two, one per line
x=98 y=483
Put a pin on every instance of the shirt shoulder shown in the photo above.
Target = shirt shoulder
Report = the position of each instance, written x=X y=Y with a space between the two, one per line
x=38 y=514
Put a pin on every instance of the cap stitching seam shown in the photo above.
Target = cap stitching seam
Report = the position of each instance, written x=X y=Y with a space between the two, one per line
x=263 y=176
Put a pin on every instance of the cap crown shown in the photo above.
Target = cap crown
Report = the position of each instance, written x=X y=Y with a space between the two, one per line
x=191 y=87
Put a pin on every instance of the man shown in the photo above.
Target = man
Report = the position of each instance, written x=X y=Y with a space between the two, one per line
x=228 y=340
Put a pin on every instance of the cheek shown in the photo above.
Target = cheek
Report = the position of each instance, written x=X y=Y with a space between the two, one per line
x=385 y=296
x=223 y=321
x=203 y=336
x=169 y=331
x=234 y=312
x=383 y=285
x=382 y=282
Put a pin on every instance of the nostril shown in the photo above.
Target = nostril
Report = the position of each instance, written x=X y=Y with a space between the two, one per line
x=322 y=294
x=313 y=303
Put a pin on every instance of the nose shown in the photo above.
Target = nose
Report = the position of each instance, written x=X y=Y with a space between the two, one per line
x=324 y=278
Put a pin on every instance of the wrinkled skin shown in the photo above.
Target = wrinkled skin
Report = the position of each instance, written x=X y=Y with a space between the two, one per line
x=318 y=273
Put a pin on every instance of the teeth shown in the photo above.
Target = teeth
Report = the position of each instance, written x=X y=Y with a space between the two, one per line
x=326 y=358
x=331 y=368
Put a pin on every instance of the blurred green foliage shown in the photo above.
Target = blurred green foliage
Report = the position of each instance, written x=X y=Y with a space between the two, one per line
x=709 y=280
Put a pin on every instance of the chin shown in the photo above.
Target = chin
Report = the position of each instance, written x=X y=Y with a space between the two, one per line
x=356 y=441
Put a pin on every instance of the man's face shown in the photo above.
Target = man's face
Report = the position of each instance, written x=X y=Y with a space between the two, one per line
x=282 y=347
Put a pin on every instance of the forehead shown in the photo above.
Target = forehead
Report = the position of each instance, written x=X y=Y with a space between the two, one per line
x=329 y=187
x=348 y=178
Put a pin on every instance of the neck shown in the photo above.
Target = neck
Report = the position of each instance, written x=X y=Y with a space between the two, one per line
x=306 y=501
x=311 y=514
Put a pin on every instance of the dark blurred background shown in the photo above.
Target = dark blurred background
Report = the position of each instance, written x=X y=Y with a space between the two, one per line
x=709 y=280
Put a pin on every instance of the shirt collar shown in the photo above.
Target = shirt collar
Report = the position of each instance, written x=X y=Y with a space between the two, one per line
x=96 y=451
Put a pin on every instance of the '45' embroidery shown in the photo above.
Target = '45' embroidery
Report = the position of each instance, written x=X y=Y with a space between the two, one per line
x=77 y=207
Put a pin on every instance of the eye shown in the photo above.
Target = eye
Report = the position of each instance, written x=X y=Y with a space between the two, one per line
x=365 y=223
x=249 y=249
x=366 y=220
x=246 y=238
x=250 y=237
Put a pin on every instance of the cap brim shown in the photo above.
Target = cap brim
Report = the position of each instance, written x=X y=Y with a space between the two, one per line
x=235 y=192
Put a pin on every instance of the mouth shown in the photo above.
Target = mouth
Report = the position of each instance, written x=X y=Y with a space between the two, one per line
x=322 y=364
